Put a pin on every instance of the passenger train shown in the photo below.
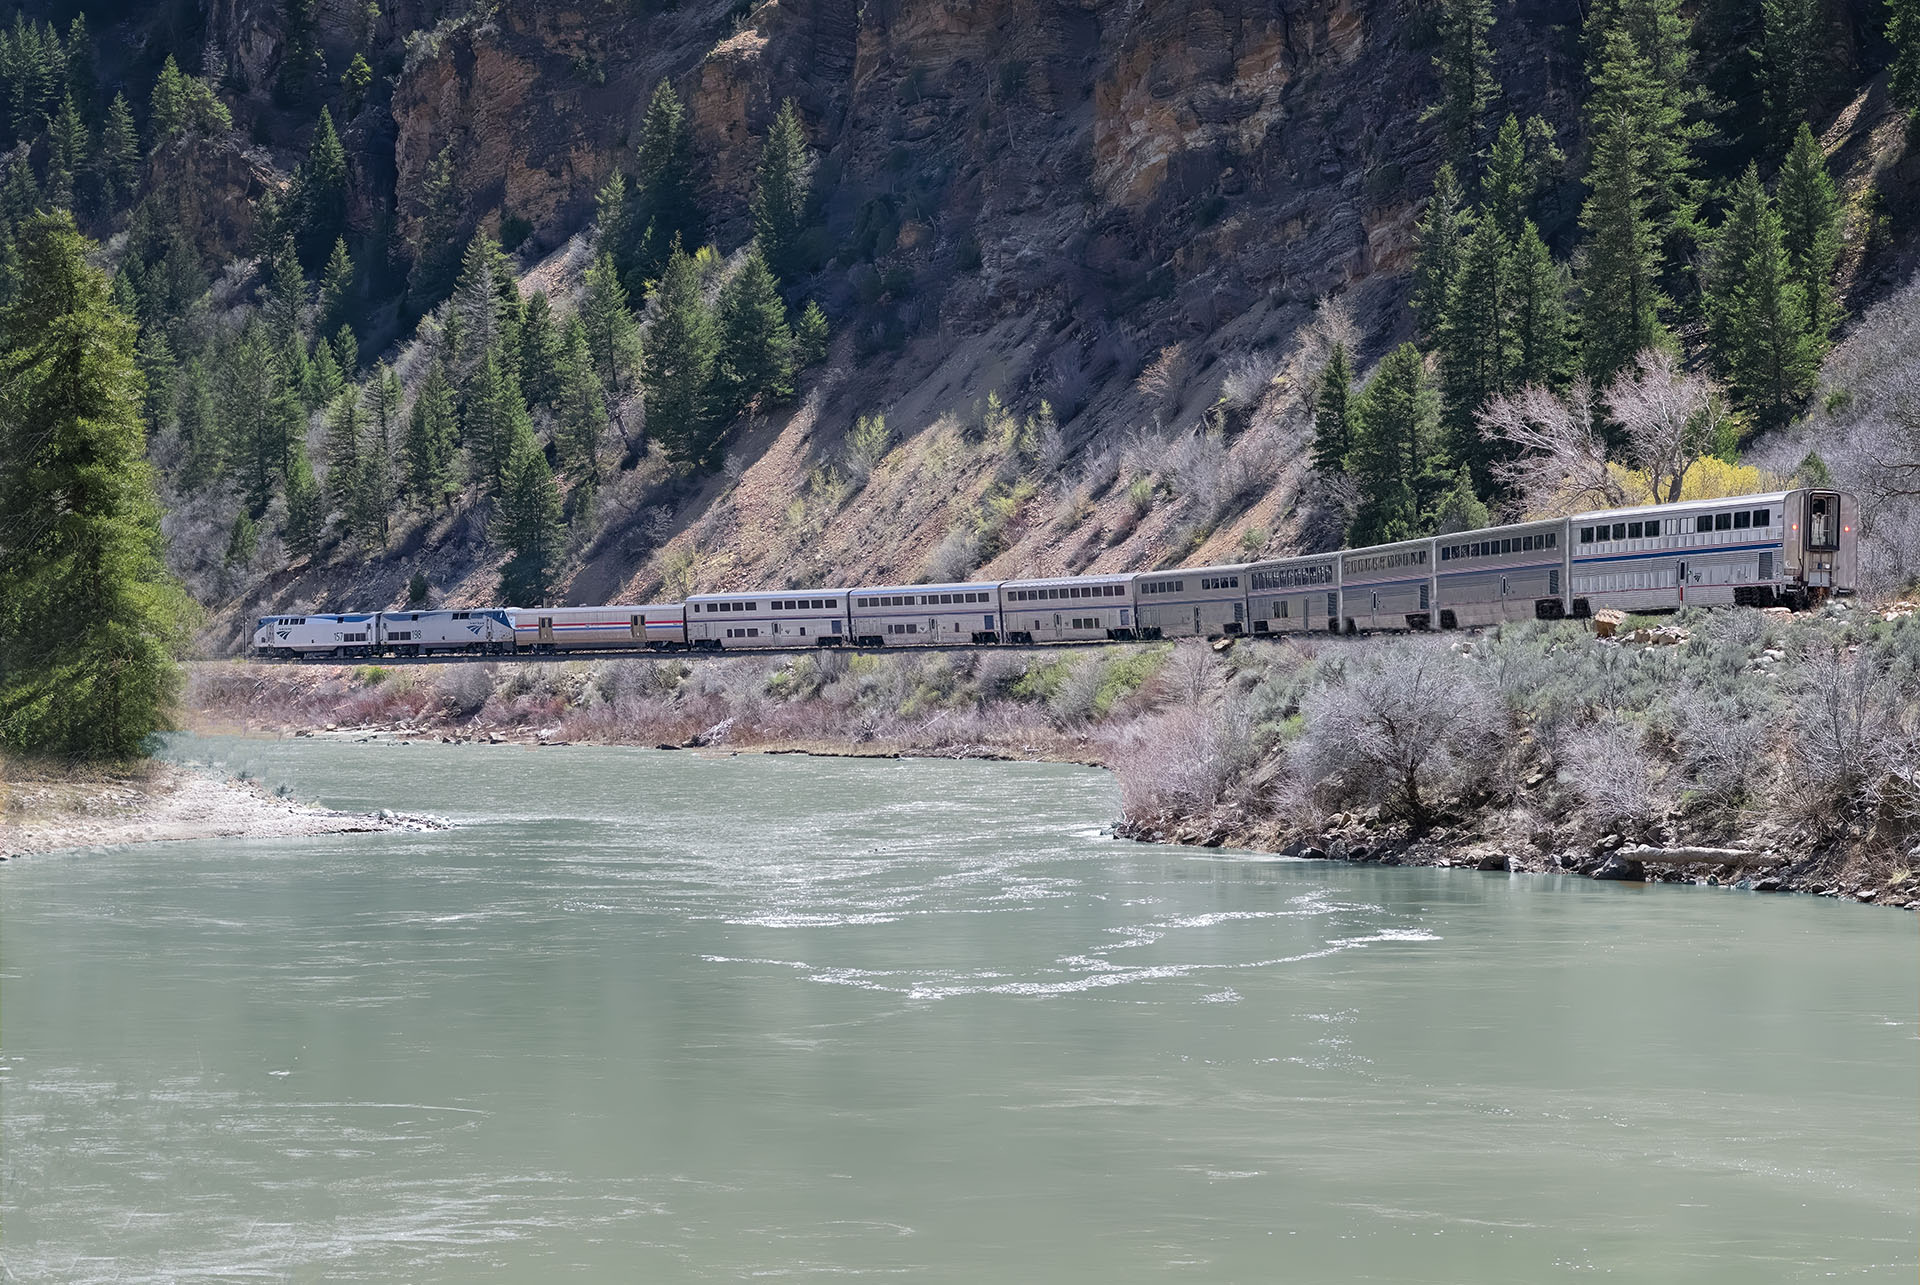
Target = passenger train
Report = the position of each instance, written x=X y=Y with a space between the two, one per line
x=1786 y=548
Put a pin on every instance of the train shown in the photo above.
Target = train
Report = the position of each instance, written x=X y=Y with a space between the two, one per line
x=1783 y=548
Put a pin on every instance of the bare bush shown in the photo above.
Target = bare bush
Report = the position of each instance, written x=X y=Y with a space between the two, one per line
x=955 y=557
x=463 y=690
x=1407 y=723
x=1073 y=701
x=1560 y=454
x=1670 y=418
x=1181 y=760
x=1612 y=772
x=1190 y=673
x=868 y=442
x=1724 y=753
x=1165 y=375
x=1852 y=724
x=1248 y=378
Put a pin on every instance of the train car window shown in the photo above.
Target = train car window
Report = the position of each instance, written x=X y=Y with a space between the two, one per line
x=1703 y=523
x=1553 y=539
x=1633 y=530
x=1619 y=530
x=1742 y=520
x=1762 y=518
x=1723 y=521
x=1586 y=535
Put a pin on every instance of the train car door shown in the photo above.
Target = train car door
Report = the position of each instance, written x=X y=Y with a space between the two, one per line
x=637 y=628
x=546 y=629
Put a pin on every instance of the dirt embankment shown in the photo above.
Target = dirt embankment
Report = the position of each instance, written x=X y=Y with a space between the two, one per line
x=45 y=808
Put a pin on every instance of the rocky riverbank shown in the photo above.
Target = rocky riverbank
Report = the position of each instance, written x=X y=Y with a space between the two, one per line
x=44 y=809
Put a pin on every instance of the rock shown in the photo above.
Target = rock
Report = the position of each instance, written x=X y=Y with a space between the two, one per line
x=1392 y=859
x=1494 y=861
x=1607 y=621
x=1535 y=781
x=1762 y=885
x=1621 y=868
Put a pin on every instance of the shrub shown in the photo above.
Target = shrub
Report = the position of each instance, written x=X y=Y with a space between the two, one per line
x=1613 y=774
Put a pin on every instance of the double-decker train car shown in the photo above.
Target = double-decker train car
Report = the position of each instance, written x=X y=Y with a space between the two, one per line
x=1294 y=595
x=486 y=630
x=303 y=637
x=654 y=625
x=1199 y=602
x=1792 y=547
x=781 y=618
x=1069 y=609
x=1505 y=573
x=924 y=615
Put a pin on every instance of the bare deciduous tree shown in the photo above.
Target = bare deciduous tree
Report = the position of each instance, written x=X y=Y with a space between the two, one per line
x=1670 y=418
x=1613 y=775
x=1560 y=462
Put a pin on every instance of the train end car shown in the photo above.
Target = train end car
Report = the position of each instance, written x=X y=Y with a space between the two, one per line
x=655 y=626
x=777 y=618
x=1058 y=609
x=478 y=630
x=1192 y=602
x=925 y=615
x=1295 y=595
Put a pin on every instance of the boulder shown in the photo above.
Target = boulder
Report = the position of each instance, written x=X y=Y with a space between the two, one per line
x=1494 y=861
x=1607 y=622
x=1621 y=868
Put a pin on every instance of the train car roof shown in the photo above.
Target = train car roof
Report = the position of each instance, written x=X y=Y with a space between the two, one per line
x=943 y=587
x=1094 y=575
x=1642 y=510
x=1474 y=533
x=628 y=607
x=1214 y=569
x=765 y=593
x=1418 y=543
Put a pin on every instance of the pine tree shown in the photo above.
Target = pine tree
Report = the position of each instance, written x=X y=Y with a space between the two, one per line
x=495 y=414
x=666 y=202
x=611 y=332
x=1543 y=349
x=810 y=337
x=81 y=554
x=320 y=194
x=119 y=156
x=754 y=359
x=614 y=215
x=1465 y=64
x=203 y=446
x=1759 y=315
x=354 y=82
x=1640 y=62
x=345 y=427
x=527 y=524
x=284 y=310
x=1903 y=77
x=83 y=76
x=259 y=412
x=159 y=373
x=66 y=154
x=371 y=502
x=1332 y=415
x=1620 y=293
x=1810 y=224
x=324 y=378
x=435 y=245
x=305 y=504
x=487 y=300
x=167 y=110
x=1476 y=344
x=1792 y=63
x=1398 y=462
x=540 y=351
x=1439 y=232
x=346 y=352
x=583 y=402
x=430 y=431
x=244 y=542
x=782 y=194
x=300 y=59
x=336 y=290
x=679 y=365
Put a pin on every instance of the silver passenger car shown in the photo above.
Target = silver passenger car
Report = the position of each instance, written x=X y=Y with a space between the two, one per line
x=774 y=618
x=1196 y=602
x=925 y=615
x=1068 y=609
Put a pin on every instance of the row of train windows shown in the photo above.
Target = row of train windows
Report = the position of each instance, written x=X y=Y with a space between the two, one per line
x=353 y=637
x=1069 y=591
x=743 y=633
x=805 y=604
x=1089 y=622
x=1294 y=577
x=1736 y=520
x=909 y=628
x=925 y=599
x=1505 y=544
x=400 y=635
x=1386 y=561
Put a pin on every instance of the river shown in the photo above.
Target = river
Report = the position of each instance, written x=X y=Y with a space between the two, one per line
x=648 y=1016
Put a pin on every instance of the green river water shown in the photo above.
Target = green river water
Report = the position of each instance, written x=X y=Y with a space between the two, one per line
x=649 y=1016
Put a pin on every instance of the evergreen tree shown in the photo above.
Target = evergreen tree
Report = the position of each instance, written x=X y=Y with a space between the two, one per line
x=345 y=427
x=1332 y=415
x=300 y=60
x=244 y=542
x=167 y=110
x=1640 y=64
x=1620 y=293
x=1759 y=314
x=435 y=245
x=324 y=378
x=354 y=82
x=1440 y=231
x=346 y=352
x=159 y=374
x=1903 y=77
x=284 y=310
x=810 y=337
x=527 y=524
x=66 y=154
x=305 y=504
x=1477 y=345
x=679 y=365
x=119 y=156
x=320 y=194
x=1543 y=348
x=83 y=76
x=1465 y=64
x=259 y=412
x=783 y=197
x=614 y=218
x=754 y=358
x=611 y=332
x=495 y=414
x=583 y=402
x=336 y=290
x=487 y=301
x=203 y=446
x=371 y=503
x=1792 y=63
x=540 y=351
x=665 y=202
x=1398 y=462
x=81 y=555
x=1810 y=224
x=430 y=433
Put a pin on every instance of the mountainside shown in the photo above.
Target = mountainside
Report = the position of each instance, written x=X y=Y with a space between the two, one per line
x=1086 y=260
